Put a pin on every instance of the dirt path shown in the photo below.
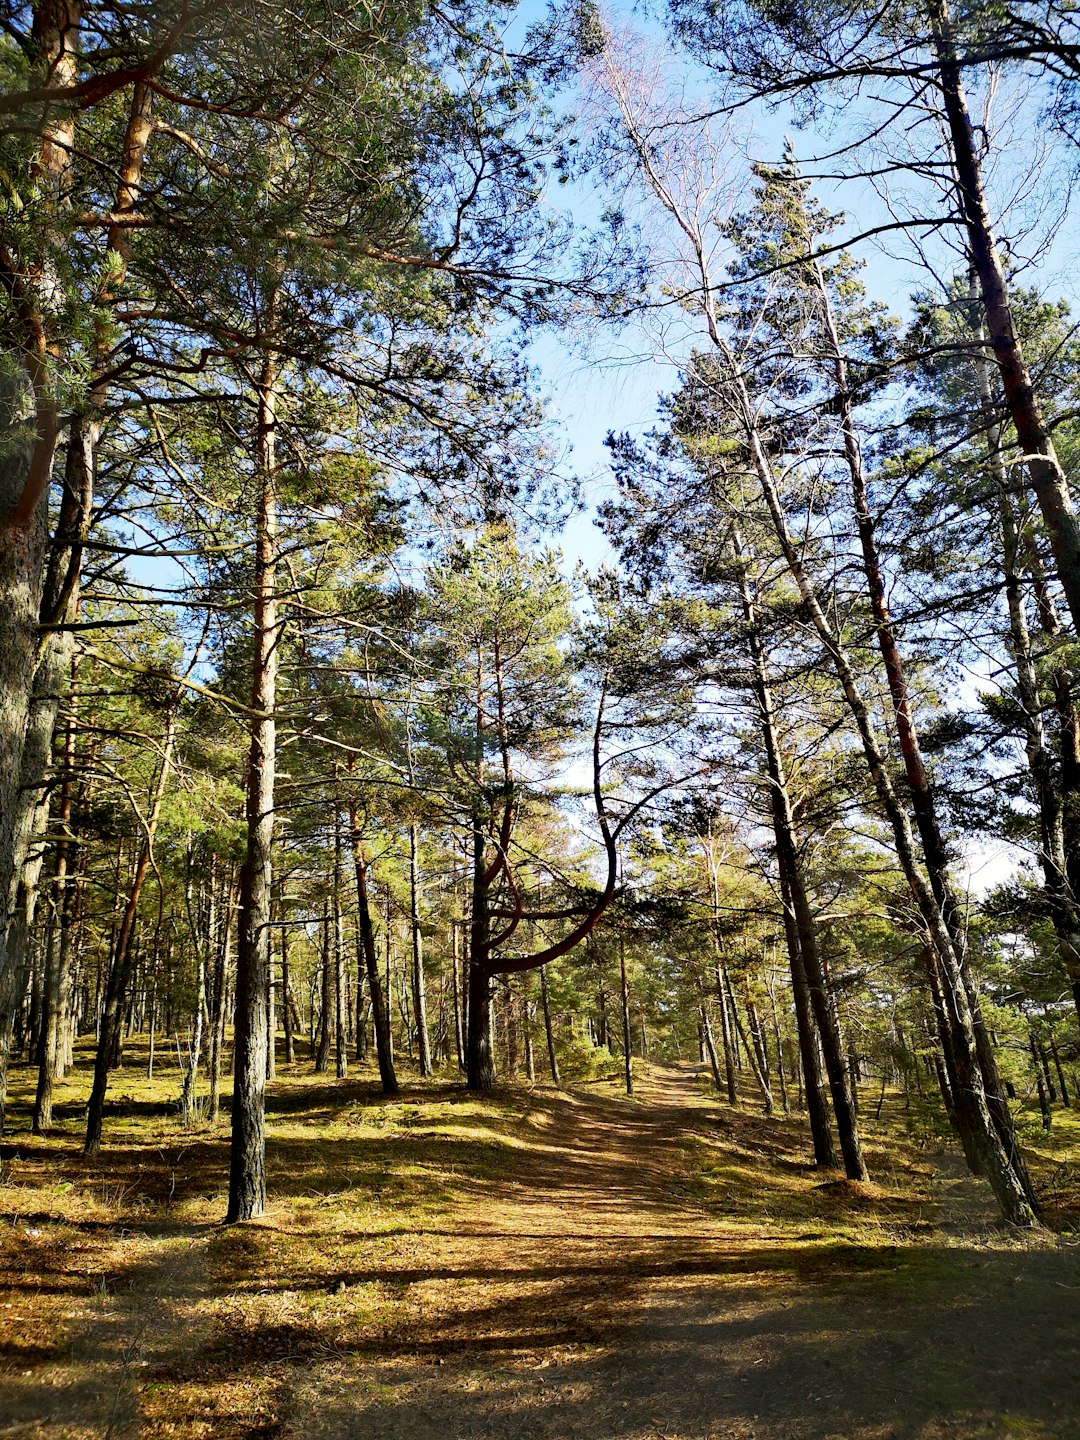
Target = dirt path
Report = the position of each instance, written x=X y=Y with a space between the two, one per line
x=533 y=1266
x=594 y=1293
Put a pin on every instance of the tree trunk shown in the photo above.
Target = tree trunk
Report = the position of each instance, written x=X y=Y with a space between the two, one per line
x=725 y=1024
x=58 y=965
x=1036 y=446
x=341 y=1051
x=31 y=425
x=549 y=1033
x=624 y=994
x=247 y=1155
x=1003 y=1164
x=480 y=1058
x=808 y=982
x=526 y=1024
x=777 y=1041
x=419 y=991
x=286 y=1010
x=455 y=981
x=222 y=954
x=709 y=1045
x=379 y=1002
x=327 y=995
x=123 y=958
x=1040 y=1084
x=755 y=1064
x=188 y=1102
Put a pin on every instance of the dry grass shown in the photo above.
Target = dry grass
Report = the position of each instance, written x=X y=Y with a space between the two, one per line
x=532 y=1263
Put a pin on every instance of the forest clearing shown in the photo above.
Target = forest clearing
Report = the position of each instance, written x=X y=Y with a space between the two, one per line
x=540 y=719
x=535 y=1262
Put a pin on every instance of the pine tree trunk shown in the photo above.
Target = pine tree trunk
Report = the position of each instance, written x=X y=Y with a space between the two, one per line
x=624 y=995
x=755 y=1065
x=1040 y=1083
x=1001 y=1157
x=222 y=956
x=709 y=1045
x=122 y=963
x=58 y=968
x=341 y=1047
x=247 y=1153
x=380 y=1013
x=31 y=425
x=419 y=991
x=455 y=981
x=530 y=1057
x=286 y=1008
x=778 y=1042
x=480 y=1057
x=549 y=1033
x=327 y=991
x=924 y=807
x=1047 y=477
x=807 y=978
x=1063 y=1088
x=188 y=1101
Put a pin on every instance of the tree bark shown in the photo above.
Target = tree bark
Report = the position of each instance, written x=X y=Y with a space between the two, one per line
x=379 y=1002
x=123 y=958
x=1004 y=1165
x=807 y=976
x=1047 y=477
x=419 y=989
x=222 y=956
x=549 y=1033
x=286 y=1011
x=247 y=1155
x=341 y=1050
x=480 y=1059
x=58 y=966
x=624 y=995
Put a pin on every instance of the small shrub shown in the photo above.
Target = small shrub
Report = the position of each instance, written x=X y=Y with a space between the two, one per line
x=580 y=1059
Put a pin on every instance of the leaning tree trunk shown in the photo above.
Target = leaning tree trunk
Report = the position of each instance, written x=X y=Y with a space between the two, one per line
x=759 y=1074
x=1003 y=1165
x=1057 y=796
x=37 y=599
x=807 y=973
x=923 y=800
x=1048 y=480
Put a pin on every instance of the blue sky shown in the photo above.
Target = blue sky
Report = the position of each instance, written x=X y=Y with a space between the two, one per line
x=597 y=388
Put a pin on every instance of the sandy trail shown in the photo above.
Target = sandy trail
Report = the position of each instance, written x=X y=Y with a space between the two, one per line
x=594 y=1293
x=540 y=1266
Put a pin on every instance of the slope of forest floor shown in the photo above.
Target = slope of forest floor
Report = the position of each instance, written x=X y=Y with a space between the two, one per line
x=538 y=1263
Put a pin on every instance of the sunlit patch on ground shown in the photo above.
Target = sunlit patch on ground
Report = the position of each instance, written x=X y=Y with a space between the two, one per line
x=533 y=1263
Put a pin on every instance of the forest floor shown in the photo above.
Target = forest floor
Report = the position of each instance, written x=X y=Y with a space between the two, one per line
x=533 y=1265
